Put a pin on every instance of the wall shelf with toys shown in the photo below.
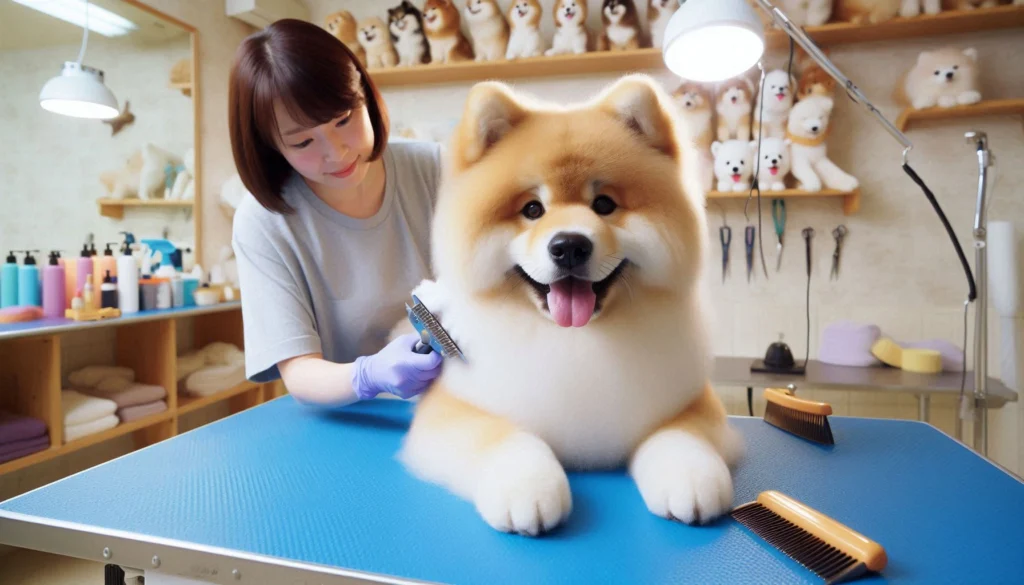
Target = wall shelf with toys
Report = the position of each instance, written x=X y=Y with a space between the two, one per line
x=155 y=345
x=830 y=34
x=851 y=199
x=1001 y=107
x=114 y=208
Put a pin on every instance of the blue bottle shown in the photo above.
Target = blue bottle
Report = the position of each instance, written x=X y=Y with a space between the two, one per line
x=9 y=282
x=28 y=282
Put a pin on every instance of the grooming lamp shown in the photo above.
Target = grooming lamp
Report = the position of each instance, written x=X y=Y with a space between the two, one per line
x=714 y=40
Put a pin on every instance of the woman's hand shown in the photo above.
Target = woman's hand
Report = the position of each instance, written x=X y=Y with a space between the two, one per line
x=396 y=369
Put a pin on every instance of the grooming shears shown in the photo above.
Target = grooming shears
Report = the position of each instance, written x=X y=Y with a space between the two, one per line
x=839 y=234
x=725 y=235
x=779 y=217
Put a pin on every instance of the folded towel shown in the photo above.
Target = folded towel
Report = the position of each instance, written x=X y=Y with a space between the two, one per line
x=91 y=376
x=189 y=363
x=19 y=449
x=15 y=427
x=130 y=413
x=132 y=395
x=80 y=408
x=218 y=353
x=72 y=432
x=113 y=384
x=213 y=379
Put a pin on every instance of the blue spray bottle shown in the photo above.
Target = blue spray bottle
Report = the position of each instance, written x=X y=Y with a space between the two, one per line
x=28 y=282
x=9 y=282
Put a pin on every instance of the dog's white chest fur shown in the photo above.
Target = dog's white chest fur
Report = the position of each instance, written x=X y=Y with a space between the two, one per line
x=591 y=393
x=620 y=34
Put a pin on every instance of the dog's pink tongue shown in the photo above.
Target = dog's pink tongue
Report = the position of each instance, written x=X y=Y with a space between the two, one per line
x=571 y=302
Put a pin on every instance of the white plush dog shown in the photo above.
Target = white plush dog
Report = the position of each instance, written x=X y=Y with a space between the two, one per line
x=808 y=129
x=773 y=163
x=773 y=105
x=945 y=77
x=571 y=32
x=733 y=162
x=809 y=12
x=912 y=8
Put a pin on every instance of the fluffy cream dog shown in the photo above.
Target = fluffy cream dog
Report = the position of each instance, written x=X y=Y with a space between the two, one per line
x=566 y=249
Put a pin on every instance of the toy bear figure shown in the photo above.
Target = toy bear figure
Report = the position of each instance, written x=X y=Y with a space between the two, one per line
x=733 y=159
x=945 y=77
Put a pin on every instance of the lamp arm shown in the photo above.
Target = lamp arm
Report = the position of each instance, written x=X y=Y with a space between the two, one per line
x=801 y=38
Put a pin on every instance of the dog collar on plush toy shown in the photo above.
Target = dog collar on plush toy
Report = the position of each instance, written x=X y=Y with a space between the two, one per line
x=809 y=141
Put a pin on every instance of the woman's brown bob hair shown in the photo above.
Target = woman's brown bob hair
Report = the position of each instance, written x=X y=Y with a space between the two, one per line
x=317 y=78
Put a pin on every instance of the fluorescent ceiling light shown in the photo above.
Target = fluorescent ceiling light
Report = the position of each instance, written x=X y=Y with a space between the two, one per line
x=101 y=20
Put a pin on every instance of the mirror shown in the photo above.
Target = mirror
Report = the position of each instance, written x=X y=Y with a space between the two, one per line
x=69 y=182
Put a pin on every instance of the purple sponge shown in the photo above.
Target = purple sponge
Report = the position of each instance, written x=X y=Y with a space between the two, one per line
x=846 y=343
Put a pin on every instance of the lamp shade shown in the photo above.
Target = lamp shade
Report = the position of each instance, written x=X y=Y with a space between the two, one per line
x=79 y=92
x=713 y=40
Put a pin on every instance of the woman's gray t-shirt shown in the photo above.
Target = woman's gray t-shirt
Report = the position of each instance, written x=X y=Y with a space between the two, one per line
x=319 y=281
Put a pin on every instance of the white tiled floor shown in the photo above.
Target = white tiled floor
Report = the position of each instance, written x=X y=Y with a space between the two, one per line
x=25 y=567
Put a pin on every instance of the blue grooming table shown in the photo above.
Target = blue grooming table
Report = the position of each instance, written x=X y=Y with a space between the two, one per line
x=283 y=494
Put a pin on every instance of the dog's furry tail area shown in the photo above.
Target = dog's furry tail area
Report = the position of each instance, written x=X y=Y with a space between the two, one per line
x=512 y=477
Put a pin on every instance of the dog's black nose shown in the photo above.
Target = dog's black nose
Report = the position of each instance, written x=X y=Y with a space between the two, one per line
x=775 y=161
x=735 y=169
x=814 y=128
x=949 y=75
x=570 y=250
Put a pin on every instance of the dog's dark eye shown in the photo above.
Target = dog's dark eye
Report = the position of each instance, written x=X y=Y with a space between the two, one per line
x=533 y=210
x=937 y=72
x=742 y=162
x=603 y=205
x=955 y=67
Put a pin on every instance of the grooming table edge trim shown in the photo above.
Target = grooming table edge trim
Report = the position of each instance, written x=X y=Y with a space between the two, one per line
x=193 y=561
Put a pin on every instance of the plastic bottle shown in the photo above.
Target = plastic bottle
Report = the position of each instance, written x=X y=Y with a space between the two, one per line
x=101 y=265
x=84 y=272
x=28 y=282
x=70 y=279
x=54 y=293
x=127 y=281
x=9 y=282
x=108 y=292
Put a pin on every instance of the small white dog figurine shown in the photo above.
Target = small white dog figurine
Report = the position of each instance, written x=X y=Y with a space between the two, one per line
x=525 y=39
x=772 y=109
x=571 y=32
x=659 y=12
x=807 y=130
x=733 y=162
x=809 y=12
x=912 y=8
x=773 y=163
x=945 y=77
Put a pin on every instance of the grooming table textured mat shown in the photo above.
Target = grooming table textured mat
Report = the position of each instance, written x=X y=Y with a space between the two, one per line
x=288 y=482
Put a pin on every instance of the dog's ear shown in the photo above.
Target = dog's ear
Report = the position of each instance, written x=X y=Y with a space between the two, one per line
x=827 y=103
x=715 y=147
x=491 y=112
x=922 y=57
x=971 y=53
x=640 y=104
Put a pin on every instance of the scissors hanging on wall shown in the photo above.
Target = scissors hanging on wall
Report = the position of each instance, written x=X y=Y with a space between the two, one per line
x=779 y=218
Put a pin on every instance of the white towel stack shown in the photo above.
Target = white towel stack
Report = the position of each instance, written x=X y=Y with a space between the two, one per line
x=86 y=415
x=212 y=369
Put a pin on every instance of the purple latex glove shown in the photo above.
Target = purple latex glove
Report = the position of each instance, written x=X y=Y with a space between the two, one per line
x=396 y=369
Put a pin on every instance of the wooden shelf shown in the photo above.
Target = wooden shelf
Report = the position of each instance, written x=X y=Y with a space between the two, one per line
x=114 y=208
x=838 y=33
x=984 y=108
x=187 y=404
x=851 y=199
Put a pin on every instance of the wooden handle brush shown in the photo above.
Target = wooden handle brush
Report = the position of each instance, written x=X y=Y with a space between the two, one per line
x=804 y=418
x=830 y=549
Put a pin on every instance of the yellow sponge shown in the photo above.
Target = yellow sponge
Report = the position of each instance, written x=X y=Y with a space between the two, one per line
x=922 y=361
x=888 y=352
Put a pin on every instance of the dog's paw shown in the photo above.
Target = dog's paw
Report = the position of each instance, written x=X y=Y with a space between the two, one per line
x=682 y=477
x=922 y=103
x=968 y=97
x=522 y=488
x=947 y=101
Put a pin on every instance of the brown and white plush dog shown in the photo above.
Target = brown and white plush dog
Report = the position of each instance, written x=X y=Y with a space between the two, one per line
x=444 y=32
x=343 y=26
x=376 y=41
x=571 y=33
x=734 y=107
x=696 y=112
x=565 y=248
x=865 y=11
x=488 y=29
x=621 y=26
x=525 y=39
x=659 y=12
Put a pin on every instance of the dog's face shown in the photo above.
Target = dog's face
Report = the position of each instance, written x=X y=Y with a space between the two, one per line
x=691 y=97
x=477 y=10
x=615 y=10
x=342 y=25
x=570 y=13
x=525 y=13
x=438 y=13
x=571 y=212
x=815 y=81
x=734 y=94
x=778 y=91
x=947 y=66
x=774 y=153
x=809 y=118
x=733 y=159
x=372 y=32
x=660 y=5
x=403 y=19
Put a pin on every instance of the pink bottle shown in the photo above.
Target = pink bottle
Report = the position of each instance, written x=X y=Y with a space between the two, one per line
x=84 y=272
x=54 y=292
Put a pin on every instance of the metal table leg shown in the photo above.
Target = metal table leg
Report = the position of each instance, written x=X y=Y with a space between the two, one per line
x=923 y=406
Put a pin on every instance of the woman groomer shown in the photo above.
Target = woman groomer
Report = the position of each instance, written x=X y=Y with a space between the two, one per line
x=338 y=230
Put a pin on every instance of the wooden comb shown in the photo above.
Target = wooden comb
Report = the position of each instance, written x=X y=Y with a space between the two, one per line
x=804 y=418
x=829 y=549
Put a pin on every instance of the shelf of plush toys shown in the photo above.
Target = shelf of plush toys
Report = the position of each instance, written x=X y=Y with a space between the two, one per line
x=114 y=208
x=386 y=62
x=851 y=199
x=32 y=377
x=995 y=107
